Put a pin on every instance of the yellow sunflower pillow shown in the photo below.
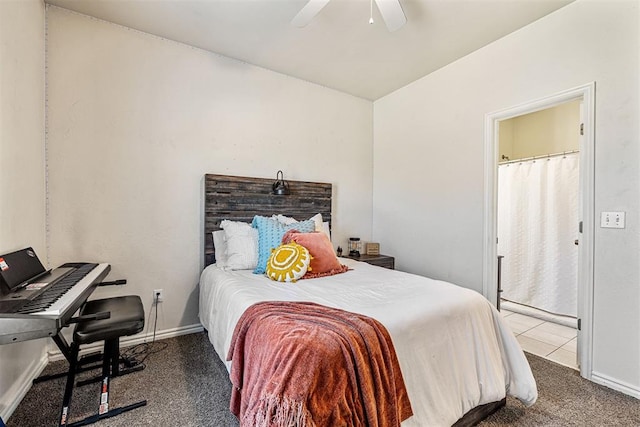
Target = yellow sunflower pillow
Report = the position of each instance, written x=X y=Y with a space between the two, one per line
x=288 y=263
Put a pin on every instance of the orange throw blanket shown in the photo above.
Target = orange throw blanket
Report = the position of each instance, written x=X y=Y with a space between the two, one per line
x=304 y=364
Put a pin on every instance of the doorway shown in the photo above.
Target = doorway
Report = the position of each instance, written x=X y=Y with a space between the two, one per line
x=584 y=96
x=538 y=192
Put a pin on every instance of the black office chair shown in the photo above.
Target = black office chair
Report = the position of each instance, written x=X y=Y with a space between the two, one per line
x=112 y=318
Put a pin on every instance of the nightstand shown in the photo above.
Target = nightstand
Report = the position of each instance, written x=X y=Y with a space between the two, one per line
x=379 y=260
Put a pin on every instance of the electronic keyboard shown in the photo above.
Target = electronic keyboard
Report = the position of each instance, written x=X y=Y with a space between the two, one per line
x=41 y=308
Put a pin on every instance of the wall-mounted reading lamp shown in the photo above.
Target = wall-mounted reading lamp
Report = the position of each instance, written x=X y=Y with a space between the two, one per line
x=280 y=187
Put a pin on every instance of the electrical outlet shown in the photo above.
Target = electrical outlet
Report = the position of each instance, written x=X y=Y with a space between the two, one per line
x=612 y=220
x=158 y=295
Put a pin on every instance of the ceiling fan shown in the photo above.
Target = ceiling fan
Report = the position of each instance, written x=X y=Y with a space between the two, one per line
x=391 y=12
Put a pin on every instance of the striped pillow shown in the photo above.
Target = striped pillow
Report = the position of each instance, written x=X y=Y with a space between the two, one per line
x=288 y=263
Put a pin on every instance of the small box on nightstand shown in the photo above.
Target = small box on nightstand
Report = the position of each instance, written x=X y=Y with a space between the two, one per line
x=372 y=248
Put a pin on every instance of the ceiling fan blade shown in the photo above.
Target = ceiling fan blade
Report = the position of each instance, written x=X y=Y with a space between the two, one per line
x=307 y=13
x=392 y=13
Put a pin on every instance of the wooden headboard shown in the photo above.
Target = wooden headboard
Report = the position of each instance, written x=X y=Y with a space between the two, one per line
x=238 y=198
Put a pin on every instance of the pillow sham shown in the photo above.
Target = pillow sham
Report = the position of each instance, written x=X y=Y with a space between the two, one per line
x=320 y=225
x=221 y=248
x=270 y=234
x=323 y=260
x=288 y=263
x=242 y=245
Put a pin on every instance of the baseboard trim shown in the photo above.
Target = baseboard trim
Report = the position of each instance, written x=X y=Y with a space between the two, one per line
x=12 y=398
x=615 y=384
x=55 y=354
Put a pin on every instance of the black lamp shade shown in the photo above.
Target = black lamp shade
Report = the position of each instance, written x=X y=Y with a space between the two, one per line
x=280 y=187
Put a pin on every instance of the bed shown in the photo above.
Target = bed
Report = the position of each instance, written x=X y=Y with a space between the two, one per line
x=458 y=358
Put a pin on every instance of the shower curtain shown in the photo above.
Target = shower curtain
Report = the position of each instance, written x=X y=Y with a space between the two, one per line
x=537 y=227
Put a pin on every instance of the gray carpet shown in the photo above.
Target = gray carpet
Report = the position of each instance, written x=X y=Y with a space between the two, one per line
x=187 y=385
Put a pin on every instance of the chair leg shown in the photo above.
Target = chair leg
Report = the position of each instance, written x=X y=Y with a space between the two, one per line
x=111 y=357
x=111 y=351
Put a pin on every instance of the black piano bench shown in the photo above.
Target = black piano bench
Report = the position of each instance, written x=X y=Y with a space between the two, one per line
x=126 y=317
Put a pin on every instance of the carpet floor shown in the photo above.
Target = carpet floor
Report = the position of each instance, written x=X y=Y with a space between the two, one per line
x=186 y=384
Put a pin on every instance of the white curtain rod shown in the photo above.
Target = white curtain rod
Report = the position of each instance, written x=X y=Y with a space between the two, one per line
x=544 y=156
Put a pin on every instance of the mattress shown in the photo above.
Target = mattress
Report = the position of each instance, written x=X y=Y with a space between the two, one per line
x=454 y=348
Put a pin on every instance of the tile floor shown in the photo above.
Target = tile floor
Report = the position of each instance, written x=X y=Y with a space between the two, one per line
x=546 y=339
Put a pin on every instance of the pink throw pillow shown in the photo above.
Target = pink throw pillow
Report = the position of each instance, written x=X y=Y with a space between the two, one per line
x=324 y=261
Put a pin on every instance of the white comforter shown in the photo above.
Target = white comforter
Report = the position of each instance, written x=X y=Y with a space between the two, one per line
x=454 y=348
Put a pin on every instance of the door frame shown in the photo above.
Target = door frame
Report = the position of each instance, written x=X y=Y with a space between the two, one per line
x=586 y=93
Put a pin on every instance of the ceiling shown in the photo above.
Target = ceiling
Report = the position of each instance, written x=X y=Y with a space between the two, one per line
x=339 y=49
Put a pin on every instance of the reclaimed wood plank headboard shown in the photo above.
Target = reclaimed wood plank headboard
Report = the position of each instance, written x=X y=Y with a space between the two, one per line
x=239 y=198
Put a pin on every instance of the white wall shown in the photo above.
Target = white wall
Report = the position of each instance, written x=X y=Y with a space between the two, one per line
x=22 y=171
x=135 y=122
x=429 y=147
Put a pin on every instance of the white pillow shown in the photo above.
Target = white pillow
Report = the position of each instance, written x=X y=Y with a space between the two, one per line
x=286 y=220
x=242 y=245
x=317 y=218
x=326 y=229
x=221 y=248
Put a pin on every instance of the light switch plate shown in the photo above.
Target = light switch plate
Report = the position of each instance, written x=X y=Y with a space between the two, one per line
x=612 y=220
